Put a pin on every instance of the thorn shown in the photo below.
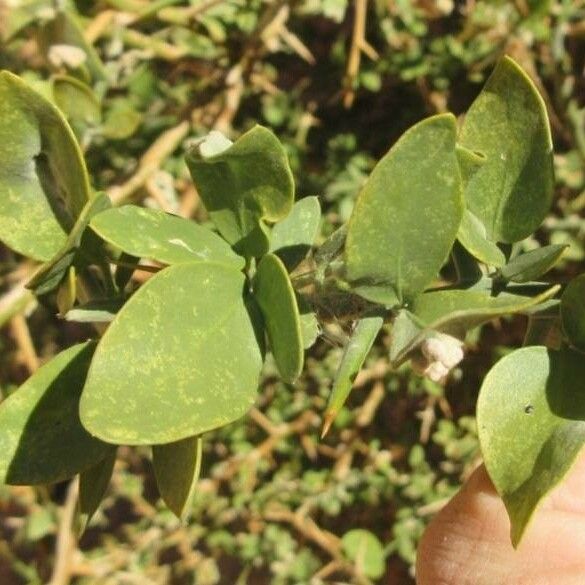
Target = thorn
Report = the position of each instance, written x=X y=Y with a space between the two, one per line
x=327 y=422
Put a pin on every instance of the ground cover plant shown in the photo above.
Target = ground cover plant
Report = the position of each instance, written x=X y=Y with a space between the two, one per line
x=180 y=352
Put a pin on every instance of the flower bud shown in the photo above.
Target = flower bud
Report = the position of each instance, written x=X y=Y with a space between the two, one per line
x=439 y=355
x=443 y=348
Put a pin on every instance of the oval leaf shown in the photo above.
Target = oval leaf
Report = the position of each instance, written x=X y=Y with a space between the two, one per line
x=471 y=308
x=365 y=551
x=276 y=297
x=41 y=438
x=293 y=237
x=381 y=295
x=93 y=483
x=243 y=184
x=98 y=311
x=179 y=359
x=176 y=468
x=43 y=179
x=160 y=236
x=573 y=312
x=530 y=415
x=457 y=311
x=77 y=101
x=310 y=329
x=531 y=265
x=512 y=191
x=473 y=237
x=354 y=355
x=407 y=215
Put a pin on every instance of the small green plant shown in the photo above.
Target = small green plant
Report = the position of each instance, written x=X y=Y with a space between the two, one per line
x=429 y=253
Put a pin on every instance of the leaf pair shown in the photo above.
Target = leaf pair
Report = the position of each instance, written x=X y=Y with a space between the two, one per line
x=180 y=358
x=508 y=195
x=243 y=185
x=411 y=209
x=165 y=238
x=42 y=440
x=198 y=369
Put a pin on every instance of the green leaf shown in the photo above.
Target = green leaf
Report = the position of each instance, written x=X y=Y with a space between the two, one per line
x=177 y=467
x=293 y=237
x=381 y=295
x=530 y=416
x=67 y=292
x=51 y=273
x=531 y=265
x=544 y=326
x=258 y=322
x=473 y=237
x=19 y=16
x=356 y=350
x=65 y=29
x=179 y=359
x=406 y=328
x=98 y=311
x=309 y=329
x=276 y=297
x=122 y=120
x=467 y=267
x=407 y=215
x=39 y=524
x=242 y=185
x=457 y=311
x=76 y=100
x=150 y=233
x=331 y=248
x=512 y=192
x=43 y=180
x=365 y=551
x=93 y=483
x=41 y=438
x=469 y=162
x=16 y=301
x=470 y=308
x=573 y=312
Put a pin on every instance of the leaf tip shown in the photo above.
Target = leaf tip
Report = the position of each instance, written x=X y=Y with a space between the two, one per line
x=327 y=422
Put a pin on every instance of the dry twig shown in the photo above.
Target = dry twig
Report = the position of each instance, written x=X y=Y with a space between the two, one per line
x=150 y=162
x=65 y=540
x=359 y=45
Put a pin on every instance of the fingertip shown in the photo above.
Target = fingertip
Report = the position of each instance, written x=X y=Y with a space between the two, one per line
x=468 y=542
